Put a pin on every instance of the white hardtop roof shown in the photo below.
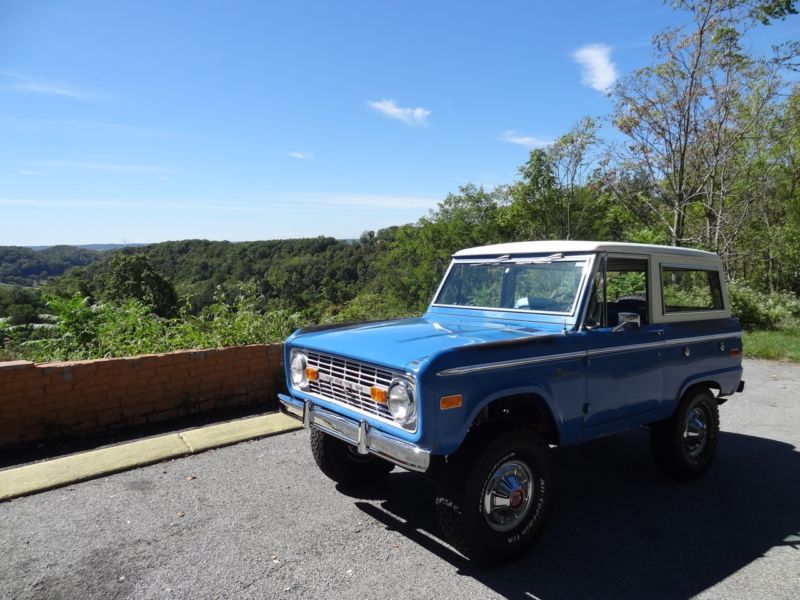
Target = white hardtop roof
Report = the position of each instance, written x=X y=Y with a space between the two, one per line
x=555 y=246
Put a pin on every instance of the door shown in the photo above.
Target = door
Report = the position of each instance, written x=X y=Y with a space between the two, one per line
x=624 y=375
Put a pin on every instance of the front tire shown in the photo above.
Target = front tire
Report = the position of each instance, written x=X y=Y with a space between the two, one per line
x=341 y=462
x=495 y=495
x=684 y=445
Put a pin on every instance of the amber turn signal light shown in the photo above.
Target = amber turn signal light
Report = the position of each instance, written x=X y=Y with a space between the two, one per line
x=378 y=394
x=312 y=374
x=448 y=402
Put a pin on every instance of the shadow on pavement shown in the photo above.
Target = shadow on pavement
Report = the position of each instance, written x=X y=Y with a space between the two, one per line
x=619 y=529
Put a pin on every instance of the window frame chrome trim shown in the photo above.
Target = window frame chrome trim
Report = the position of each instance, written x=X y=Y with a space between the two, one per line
x=588 y=269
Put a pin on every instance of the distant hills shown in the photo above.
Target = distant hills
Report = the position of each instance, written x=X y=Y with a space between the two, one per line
x=28 y=267
x=98 y=247
x=33 y=265
x=295 y=269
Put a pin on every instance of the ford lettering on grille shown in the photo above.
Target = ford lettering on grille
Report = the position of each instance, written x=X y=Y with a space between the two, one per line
x=341 y=382
x=349 y=382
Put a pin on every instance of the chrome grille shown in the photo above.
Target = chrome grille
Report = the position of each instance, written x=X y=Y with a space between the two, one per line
x=349 y=382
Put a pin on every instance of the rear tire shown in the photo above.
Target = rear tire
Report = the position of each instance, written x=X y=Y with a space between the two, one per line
x=684 y=445
x=341 y=462
x=495 y=495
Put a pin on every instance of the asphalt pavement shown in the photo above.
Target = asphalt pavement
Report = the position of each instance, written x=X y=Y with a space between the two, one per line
x=258 y=520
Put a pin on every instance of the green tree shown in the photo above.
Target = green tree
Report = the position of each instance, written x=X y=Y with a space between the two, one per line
x=574 y=161
x=132 y=277
x=680 y=115
x=532 y=213
x=417 y=256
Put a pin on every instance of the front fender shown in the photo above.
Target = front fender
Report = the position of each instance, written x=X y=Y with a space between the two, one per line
x=452 y=438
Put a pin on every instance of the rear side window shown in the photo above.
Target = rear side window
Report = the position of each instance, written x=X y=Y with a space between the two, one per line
x=687 y=289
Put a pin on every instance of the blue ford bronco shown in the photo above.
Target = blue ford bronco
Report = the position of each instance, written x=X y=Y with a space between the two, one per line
x=525 y=347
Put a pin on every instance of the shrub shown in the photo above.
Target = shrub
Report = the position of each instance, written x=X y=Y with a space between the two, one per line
x=78 y=329
x=759 y=310
x=368 y=307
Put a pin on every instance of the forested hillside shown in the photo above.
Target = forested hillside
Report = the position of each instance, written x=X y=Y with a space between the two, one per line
x=705 y=152
x=294 y=273
x=27 y=267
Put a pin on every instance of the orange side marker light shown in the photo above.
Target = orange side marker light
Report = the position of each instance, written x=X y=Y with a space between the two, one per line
x=448 y=402
x=312 y=374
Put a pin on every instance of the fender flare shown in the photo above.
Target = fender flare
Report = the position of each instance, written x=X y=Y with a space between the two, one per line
x=707 y=380
x=555 y=414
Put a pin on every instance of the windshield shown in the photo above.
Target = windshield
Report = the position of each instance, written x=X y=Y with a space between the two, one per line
x=537 y=285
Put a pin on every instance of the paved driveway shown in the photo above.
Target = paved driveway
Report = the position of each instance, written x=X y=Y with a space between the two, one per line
x=257 y=520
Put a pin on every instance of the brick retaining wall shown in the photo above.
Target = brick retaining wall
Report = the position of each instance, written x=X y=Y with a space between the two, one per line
x=50 y=400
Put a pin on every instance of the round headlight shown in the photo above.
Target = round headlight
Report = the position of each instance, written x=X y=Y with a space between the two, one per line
x=401 y=402
x=298 y=370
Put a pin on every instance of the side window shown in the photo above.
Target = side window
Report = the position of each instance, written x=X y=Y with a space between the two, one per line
x=687 y=289
x=624 y=290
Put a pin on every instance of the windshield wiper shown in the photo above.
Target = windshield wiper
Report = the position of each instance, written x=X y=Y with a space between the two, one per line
x=500 y=260
x=545 y=260
x=505 y=259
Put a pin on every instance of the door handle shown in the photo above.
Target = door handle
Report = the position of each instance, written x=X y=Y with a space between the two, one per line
x=658 y=332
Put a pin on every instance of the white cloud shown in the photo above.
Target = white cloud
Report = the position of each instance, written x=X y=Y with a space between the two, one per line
x=299 y=155
x=412 y=117
x=598 y=72
x=529 y=141
x=24 y=83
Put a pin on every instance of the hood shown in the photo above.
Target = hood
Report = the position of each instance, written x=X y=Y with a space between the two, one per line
x=406 y=343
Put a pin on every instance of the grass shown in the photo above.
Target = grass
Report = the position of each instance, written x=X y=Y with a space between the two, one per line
x=778 y=344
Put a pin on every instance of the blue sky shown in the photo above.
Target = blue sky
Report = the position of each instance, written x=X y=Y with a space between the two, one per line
x=143 y=121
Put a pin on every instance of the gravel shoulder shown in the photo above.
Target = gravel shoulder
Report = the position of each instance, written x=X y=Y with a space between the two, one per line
x=258 y=520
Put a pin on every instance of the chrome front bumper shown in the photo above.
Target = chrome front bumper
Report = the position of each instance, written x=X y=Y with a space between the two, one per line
x=359 y=434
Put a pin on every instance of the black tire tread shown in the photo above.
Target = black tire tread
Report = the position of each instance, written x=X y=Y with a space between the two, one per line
x=337 y=461
x=664 y=445
x=454 y=480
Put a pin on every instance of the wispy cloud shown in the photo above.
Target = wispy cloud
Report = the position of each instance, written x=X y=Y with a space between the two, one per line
x=93 y=127
x=299 y=155
x=529 y=141
x=413 y=117
x=597 y=70
x=266 y=202
x=365 y=200
x=18 y=82
x=53 y=165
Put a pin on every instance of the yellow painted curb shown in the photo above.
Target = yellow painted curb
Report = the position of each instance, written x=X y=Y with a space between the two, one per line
x=58 y=472
x=225 y=434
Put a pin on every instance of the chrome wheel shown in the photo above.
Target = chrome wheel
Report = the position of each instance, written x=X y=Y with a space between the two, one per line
x=695 y=432
x=507 y=495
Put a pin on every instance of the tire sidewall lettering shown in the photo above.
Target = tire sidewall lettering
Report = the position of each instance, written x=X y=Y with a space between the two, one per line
x=540 y=492
x=533 y=518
